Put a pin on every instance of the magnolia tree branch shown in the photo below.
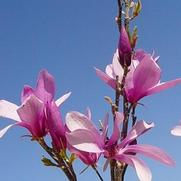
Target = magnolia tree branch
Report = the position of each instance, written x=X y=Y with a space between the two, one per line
x=126 y=20
x=114 y=165
x=119 y=17
x=117 y=168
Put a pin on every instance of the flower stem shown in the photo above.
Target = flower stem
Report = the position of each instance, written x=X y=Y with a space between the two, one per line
x=98 y=174
x=62 y=164
x=118 y=170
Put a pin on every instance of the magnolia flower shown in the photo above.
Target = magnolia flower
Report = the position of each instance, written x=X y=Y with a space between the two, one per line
x=143 y=78
x=176 y=131
x=38 y=112
x=85 y=137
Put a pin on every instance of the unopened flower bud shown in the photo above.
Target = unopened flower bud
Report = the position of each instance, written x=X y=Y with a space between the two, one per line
x=124 y=48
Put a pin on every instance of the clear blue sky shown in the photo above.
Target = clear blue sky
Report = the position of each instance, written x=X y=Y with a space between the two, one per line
x=69 y=38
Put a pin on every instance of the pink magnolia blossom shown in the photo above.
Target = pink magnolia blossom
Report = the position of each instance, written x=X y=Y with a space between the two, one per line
x=84 y=136
x=38 y=112
x=176 y=131
x=143 y=78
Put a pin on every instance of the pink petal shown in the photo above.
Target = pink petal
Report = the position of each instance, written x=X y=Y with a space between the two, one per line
x=45 y=86
x=176 y=131
x=152 y=152
x=86 y=157
x=109 y=71
x=31 y=112
x=143 y=172
x=88 y=113
x=105 y=127
x=9 y=110
x=27 y=91
x=116 y=131
x=146 y=75
x=84 y=140
x=139 y=54
x=4 y=130
x=156 y=58
x=31 y=108
x=138 y=129
x=54 y=116
x=76 y=120
x=118 y=70
x=129 y=78
x=55 y=126
x=163 y=86
x=62 y=99
x=108 y=80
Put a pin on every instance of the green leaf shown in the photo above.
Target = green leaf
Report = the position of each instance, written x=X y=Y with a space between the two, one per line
x=137 y=8
x=47 y=162
x=134 y=37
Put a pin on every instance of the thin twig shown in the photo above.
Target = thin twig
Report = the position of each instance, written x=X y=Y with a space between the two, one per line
x=134 y=118
x=47 y=149
x=98 y=174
